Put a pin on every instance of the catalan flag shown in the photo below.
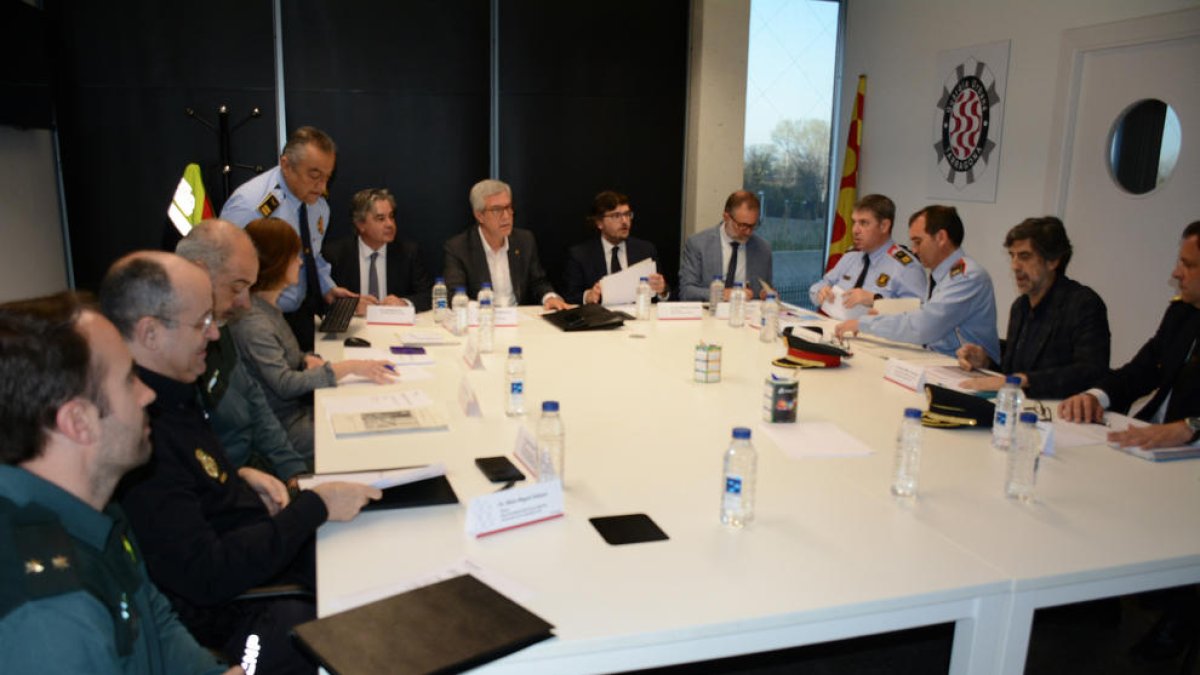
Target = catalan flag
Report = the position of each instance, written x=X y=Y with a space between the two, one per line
x=841 y=239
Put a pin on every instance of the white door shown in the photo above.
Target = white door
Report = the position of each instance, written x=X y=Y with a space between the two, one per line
x=1125 y=244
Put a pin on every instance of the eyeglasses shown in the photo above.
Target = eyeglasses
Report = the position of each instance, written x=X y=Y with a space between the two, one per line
x=200 y=326
x=619 y=215
x=742 y=226
x=499 y=210
x=1044 y=414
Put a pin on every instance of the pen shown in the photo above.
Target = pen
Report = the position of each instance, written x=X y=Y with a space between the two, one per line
x=390 y=367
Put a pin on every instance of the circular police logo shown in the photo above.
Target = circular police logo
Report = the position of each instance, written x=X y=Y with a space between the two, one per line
x=963 y=118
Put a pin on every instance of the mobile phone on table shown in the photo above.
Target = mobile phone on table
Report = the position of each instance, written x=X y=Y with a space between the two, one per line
x=499 y=469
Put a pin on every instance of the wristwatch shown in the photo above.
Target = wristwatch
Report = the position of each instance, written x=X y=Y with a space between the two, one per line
x=1193 y=423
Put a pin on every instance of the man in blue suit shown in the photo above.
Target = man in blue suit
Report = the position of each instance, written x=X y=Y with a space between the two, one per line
x=611 y=252
x=730 y=250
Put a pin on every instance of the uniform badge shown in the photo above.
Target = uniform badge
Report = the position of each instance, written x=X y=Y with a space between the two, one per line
x=210 y=466
x=321 y=225
x=882 y=280
x=901 y=255
x=268 y=205
x=128 y=546
x=958 y=268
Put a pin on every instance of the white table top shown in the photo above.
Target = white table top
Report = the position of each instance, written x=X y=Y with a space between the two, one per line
x=830 y=552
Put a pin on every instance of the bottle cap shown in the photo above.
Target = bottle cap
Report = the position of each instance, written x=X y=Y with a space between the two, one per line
x=718 y=277
x=1013 y=379
x=1028 y=418
x=439 y=280
x=514 y=350
x=771 y=295
x=741 y=433
x=460 y=289
x=912 y=413
x=549 y=406
x=737 y=284
x=486 y=284
x=644 y=279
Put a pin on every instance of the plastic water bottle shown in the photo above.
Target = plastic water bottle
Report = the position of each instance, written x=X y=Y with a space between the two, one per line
x=487 y=318
x=459 y=305
x=741 y=467
x=768 y=328
x=514 y=383
x=550 y=443
x=643 y=298
x=716 y=290
x=1009 y=400
x=908 y=454
x=737 y=306
x=440 y=305
x=1023 y=459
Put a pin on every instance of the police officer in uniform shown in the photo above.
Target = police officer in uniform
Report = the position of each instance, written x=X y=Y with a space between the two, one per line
x=294 y=192
x=74 y=595
x=878 y=267
x=960 y=307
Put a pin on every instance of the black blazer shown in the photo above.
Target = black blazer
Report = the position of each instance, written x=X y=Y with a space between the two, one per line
x=586 y=264
x=406 y=276
x=1068 y=349
x=1155 y=367
x=466 y=265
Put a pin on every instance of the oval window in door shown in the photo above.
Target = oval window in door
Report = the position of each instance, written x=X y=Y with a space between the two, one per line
x=1144 y=146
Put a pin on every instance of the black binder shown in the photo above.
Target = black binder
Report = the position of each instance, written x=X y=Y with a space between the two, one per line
x=586 y=317
x=446 y=627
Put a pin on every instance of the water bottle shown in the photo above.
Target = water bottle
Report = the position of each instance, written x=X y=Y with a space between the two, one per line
x=643 y=298
x=768 y=328
x=1009 y=400
x=1023 y=459
x=716 y=290
x=440 y=306
x=487 y=318
x=741 y=465
x=737 y=306
x=550 y=443
x=908 y=454
x=459 y=305
x=514 y=383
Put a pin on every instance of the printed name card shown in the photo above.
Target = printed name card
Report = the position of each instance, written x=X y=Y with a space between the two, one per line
x=504 y=317
x=471 y=353
x=467 y=399
x=526 y=451
x=680 y=311
x=497 y=512
x=391 y=315
x=907 y=375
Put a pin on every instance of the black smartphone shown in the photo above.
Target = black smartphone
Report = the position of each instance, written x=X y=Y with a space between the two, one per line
x=499 y=469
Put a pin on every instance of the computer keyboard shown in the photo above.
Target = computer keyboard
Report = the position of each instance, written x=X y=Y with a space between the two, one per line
x=337 y=317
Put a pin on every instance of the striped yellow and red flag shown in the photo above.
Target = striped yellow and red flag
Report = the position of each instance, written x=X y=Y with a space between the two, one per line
x=841 y=239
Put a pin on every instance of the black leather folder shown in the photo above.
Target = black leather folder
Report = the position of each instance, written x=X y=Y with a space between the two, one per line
x=586 y=317
x=446 y=627
x=428 y=492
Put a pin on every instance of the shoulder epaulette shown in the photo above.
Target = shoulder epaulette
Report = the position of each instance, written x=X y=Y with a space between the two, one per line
x=901 y=254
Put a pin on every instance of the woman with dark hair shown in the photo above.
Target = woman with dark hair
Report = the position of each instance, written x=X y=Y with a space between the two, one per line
x=269 y=349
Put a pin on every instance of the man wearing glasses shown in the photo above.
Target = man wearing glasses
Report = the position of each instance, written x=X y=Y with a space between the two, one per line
x=498 y=253
x=210 y=531
x=730 y=250
x=611 y=252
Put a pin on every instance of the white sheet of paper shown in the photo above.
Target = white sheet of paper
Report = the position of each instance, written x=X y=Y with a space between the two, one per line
x=382 y=479
x=395 y=400
x=834 y=307
x=1074 y=434
x=426 y=338
x=403 y=375
x=885 y=306
x=381 y=354
x=496 y=512
x=504 y=585
x=814 y=439
x=621 y=288
x=391 y=315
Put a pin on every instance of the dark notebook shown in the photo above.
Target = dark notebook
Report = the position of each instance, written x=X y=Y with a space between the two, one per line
x=428 y=492
x=446 y=627
x=586 y=317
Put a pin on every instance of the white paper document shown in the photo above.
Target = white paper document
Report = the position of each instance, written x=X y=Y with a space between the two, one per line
x=381 y=354
x=621 y=288
x=836 y=308
x=382 y=479
x=814 y=439
x=411 y=398
x=391 y=315
x=427 y=337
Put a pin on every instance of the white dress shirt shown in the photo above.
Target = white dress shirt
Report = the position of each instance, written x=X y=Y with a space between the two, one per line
x=497 y=262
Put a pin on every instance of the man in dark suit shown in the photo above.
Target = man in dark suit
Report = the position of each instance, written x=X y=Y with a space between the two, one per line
x=611 y=252
x=497 y=253
x=1058 y=339
x=1168 y=365
x=382 y=269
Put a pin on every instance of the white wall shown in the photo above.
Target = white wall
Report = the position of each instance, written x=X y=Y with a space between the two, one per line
x=32 y=259
x=896 y=45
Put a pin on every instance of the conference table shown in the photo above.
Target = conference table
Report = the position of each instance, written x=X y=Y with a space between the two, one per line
x=831 y=553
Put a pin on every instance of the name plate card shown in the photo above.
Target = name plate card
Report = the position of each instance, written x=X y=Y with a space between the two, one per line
x=391 y=315
x=526 y=451
x=497 y=512
x=680 y=311
x=503 y=317
x=467 y=399
x=471 y=353
x=908 y=375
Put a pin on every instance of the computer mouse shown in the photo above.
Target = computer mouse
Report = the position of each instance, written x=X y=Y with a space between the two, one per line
x=356 y=342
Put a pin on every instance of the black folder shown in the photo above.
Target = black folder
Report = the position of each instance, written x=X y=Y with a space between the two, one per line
x=586 y=317
x=446 y=627
x=428 y=492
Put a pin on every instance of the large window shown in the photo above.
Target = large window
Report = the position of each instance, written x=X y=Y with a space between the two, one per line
x=790 y=90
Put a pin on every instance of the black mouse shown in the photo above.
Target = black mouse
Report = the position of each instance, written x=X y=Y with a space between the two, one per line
x=356 y=342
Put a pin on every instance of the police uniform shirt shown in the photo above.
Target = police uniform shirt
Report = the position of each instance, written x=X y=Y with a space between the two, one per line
x=961 y=309
x=268 y=195
x=59 y=624
x=894 y=273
